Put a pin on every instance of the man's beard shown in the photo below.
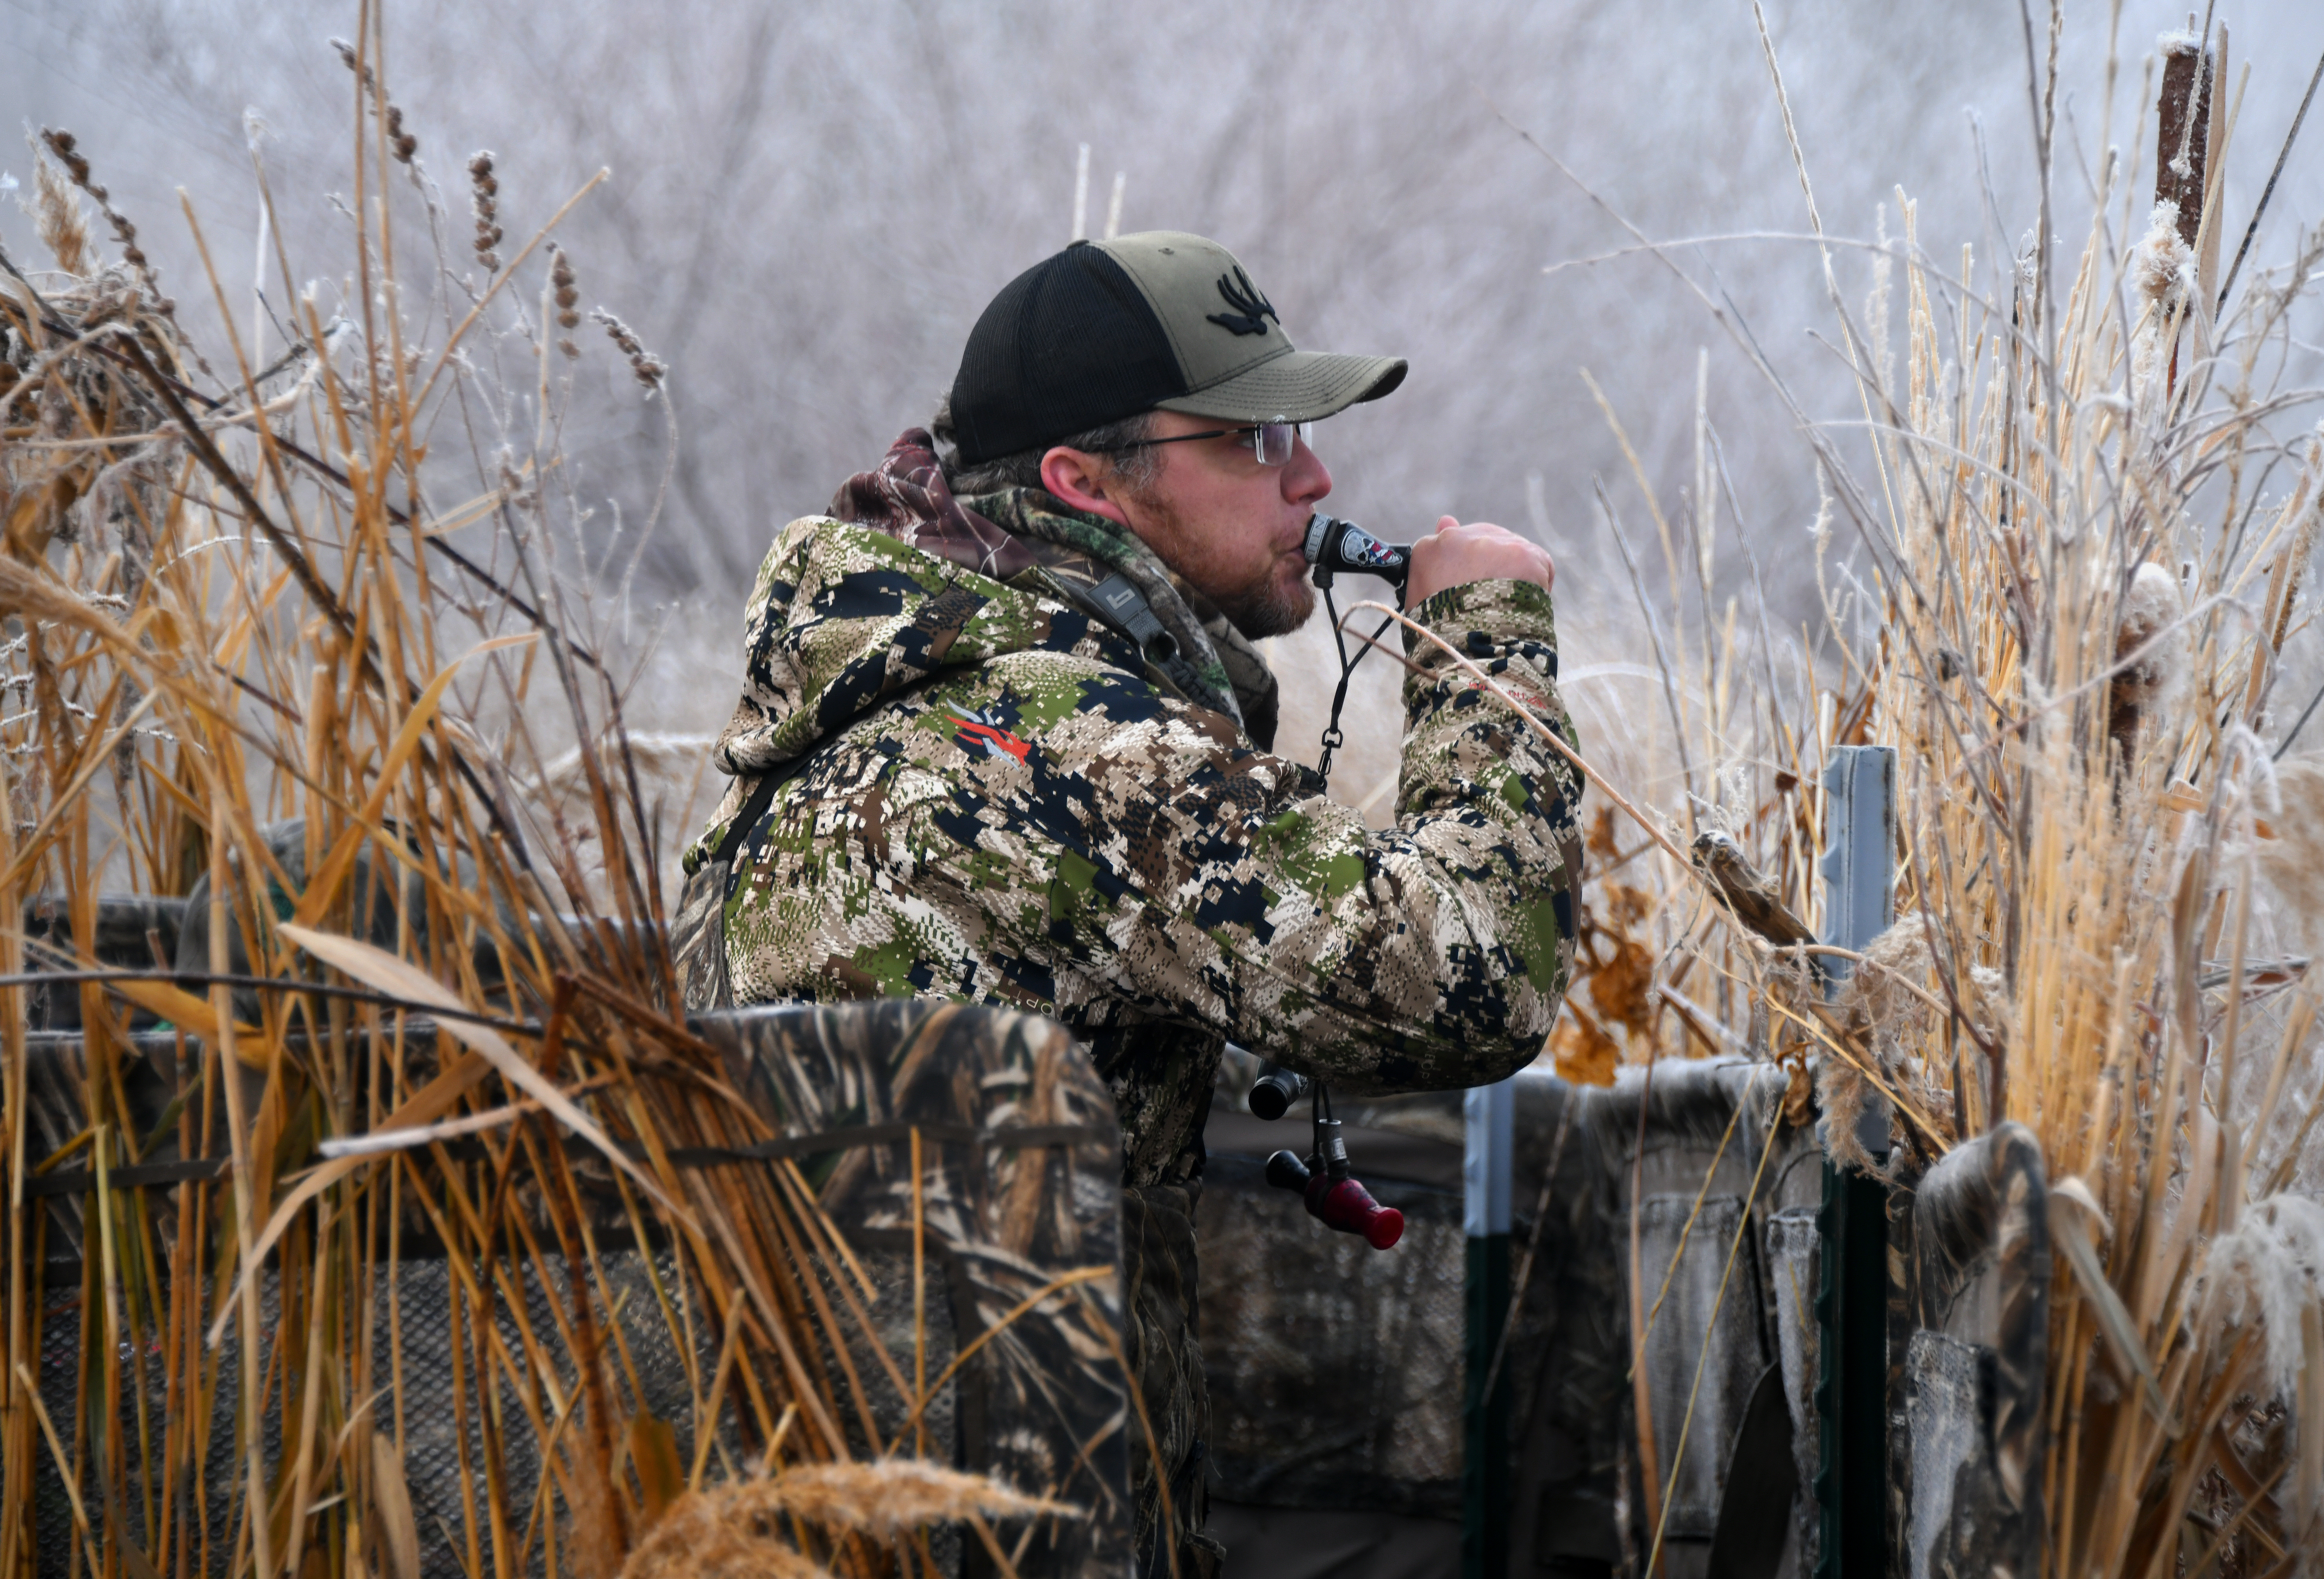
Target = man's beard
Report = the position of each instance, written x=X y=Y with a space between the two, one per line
x=1258 y=611
x=1266 y=611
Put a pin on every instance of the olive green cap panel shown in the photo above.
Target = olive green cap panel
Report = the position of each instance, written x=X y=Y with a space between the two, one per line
x=1230 y=342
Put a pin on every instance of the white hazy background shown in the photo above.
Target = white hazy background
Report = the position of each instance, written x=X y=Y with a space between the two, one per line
x=810 y=203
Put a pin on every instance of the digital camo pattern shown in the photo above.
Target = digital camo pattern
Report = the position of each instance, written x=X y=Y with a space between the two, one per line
x=1010 y=805
x=1002 y=535
x=1009 y=802
x=1043 y=1404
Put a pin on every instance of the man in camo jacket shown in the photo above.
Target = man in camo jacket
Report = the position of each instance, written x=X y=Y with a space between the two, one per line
x=1004 y=738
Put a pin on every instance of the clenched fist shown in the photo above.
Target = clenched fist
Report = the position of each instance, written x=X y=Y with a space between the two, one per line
x=1478 y=551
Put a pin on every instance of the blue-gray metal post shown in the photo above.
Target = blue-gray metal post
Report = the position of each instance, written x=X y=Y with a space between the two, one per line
x=1489 y=1126
x=1851 y=1483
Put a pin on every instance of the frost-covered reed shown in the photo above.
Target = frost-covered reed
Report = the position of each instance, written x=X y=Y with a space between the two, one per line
x=266 y=636
x=2084 y=527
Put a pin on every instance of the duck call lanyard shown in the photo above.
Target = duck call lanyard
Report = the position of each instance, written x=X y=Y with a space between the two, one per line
x=1334 y=545
x=1333 y=738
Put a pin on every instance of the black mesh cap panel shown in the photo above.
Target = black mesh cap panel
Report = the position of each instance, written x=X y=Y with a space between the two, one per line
x=1067 y=346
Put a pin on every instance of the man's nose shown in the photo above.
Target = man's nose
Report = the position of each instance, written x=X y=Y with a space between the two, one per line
x=1304 y=478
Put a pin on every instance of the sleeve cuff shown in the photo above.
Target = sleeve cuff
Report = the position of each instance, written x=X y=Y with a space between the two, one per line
x=1499 y=612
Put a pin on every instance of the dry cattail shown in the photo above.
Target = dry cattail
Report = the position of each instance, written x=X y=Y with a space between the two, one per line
x=1913 y=950
x=568 y=297
x=1841 y=1092
x=2148 y=611
x=2161 y=268
x=2270 y=1266
x=402 y=143
x=99 y=649
x=707 y=1535
x=896 y=1494
x=484 y=200
x=1898 y=1022
x=648 y=368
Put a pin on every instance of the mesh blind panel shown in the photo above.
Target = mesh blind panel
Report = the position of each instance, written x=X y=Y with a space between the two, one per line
x=445 y=1447
x=1794 y=1263
x=1698 y=1333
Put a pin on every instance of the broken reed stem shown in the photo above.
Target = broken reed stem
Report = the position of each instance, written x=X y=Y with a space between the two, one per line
x=1548 y=735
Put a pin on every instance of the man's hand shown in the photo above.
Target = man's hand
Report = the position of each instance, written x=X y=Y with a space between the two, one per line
x=1479 y=551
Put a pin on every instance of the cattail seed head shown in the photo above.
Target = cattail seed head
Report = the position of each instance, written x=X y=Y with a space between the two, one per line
x=2293 y=861
x=483 y=201
x=402 y=143
x=568 y=295
x=2148 y=677
x=348 y=59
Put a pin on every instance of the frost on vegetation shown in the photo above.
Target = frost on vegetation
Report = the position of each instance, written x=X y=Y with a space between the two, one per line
x=2151 y=653
x=2161 y=272
x=2162 y=260
x=1730 y=814
x=1879 y=1000
x=2149 y=607
x=2293 y=862
x=2268 y=1269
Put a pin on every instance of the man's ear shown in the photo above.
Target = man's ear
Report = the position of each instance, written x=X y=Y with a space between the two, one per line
x=1083 y=481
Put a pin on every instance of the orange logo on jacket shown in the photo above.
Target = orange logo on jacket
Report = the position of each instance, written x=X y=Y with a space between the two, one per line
x=979 y=729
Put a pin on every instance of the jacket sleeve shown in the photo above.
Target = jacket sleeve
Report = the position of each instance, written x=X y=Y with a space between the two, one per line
x=1182 y=875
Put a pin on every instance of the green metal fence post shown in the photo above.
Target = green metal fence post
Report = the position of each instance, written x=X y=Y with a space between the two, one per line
x=1851 y=1484
x=1489 y=1114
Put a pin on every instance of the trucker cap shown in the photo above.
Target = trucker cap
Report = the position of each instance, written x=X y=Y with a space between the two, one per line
x=1106 y=329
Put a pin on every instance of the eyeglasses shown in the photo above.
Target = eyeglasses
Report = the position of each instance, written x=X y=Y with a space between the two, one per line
x=1270 y=442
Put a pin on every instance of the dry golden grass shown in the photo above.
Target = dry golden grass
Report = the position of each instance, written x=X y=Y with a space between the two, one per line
x=231 y=602
x=230 y=608
x=2087 y=526
x=734 y=1531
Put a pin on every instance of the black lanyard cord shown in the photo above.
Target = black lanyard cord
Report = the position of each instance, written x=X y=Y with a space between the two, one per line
x=1334 y=737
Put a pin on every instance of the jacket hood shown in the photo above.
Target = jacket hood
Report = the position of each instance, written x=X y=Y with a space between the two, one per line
x=902 y=578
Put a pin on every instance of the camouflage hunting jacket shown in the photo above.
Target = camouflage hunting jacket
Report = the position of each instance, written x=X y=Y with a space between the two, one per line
x=1011 y=800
